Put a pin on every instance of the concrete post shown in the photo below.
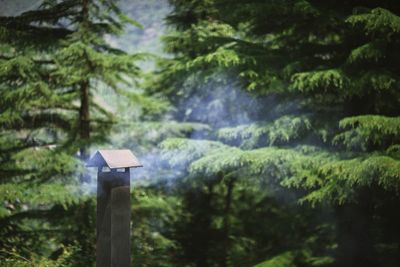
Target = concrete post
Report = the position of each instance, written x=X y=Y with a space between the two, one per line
x=113 y=219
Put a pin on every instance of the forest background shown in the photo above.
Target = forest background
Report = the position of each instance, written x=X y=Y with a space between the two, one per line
x=268 y=130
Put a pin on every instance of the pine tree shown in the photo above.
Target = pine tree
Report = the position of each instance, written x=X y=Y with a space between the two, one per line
x=52 y=61
x=326 y=76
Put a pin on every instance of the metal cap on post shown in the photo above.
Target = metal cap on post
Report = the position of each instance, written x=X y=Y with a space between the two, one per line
x=113 y=206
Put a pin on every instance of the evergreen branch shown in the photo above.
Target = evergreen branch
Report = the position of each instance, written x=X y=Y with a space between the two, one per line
x=39 y=61
x=63 y=9
x=38 y=121
x=37 y=31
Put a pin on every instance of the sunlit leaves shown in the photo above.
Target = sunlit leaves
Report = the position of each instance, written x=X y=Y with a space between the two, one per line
x=320 y=81
x=280 y=131
x=182 y=151
x=23 y=197
x=282 y=260
x=368 y=132
x=341 y=179
x=370 y=52
x=378 y=21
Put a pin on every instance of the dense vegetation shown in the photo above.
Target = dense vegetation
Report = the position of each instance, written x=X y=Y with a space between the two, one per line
x=269 y=131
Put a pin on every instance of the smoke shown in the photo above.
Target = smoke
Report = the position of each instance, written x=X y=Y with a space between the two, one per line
x=90 y=186
x=216 y=104
x=219 y=103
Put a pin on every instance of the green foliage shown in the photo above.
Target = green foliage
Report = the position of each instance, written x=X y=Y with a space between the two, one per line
x=270 y=131
x=52 y=59
x=282 y=130
x=370 y=52
x=145 y=135
x=15 y=260
x=283 y=260
x=154 y=213
x=323 y=130
x=378 y=21
x=369 y=132
x=39 y=196
x=181 y=151
x=341 y=179
x=324 y=80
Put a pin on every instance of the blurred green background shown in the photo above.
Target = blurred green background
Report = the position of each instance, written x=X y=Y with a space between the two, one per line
x=269 y=130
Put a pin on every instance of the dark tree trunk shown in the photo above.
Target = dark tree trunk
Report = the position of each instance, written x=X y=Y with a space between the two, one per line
x=84 y=119
x=355 y=244
x=198 y=235
x=85 y=11
x=84 y=115
x=226 y=225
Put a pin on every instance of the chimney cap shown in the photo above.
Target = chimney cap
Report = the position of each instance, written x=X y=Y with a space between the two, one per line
x=114 y=159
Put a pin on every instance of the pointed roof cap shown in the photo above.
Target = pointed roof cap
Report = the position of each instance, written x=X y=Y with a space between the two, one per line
x=114 y=158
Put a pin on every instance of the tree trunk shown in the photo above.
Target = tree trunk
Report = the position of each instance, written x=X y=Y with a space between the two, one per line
x=84 y=119
x=85 y=11
x=226 y=223
x=198 y=234
x=355 y=245
x=84 y=127
x=84 y=115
